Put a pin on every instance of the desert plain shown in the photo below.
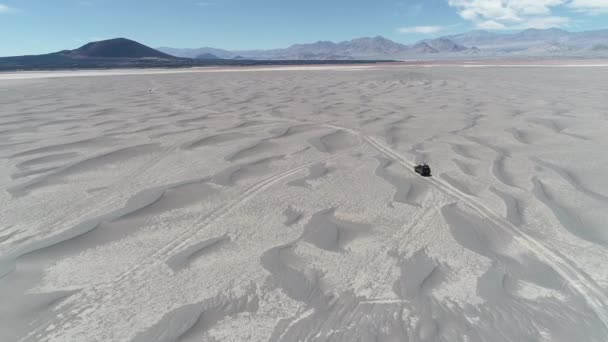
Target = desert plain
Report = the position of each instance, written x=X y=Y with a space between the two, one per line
x=280 y=204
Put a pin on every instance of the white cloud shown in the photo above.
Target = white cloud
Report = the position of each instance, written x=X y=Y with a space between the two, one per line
x=420 y=29
x=508 y=14
x=590 y=6
x=6 y=9
x=533 y=22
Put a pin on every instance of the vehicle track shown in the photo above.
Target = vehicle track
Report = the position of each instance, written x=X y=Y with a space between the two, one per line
x=88 y=299
x=218 y=213
x=577 y=279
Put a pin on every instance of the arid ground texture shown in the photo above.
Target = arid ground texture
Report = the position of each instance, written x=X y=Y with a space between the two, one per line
x=280 y=204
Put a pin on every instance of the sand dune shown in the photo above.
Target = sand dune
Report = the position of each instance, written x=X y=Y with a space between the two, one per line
x=182 y=259
x=316 y=171
x=326 y=232
x=334 y=142
x=216 y=139
x=261 y=147
x=407 y=190
x=258 y=205
x=95 y=163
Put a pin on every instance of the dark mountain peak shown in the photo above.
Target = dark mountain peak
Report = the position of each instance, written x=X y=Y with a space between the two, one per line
x=117 y=48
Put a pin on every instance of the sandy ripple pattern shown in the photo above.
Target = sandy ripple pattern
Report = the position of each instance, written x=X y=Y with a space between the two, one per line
x=281 y=205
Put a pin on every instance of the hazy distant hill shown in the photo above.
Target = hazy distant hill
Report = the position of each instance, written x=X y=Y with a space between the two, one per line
x=192 y=53
x=600 y=47
x=422 y=48
x=117 y=48
x=478 y=43
x=357 y=48
x=366 y=48
x=446 y=45
x=370 y=47
x=207 y=56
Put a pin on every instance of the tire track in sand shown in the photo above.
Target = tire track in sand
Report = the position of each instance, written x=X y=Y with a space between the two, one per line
x=88 y=299
x=577 y=279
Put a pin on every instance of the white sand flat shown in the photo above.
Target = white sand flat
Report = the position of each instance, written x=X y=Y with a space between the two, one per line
x=205 y=205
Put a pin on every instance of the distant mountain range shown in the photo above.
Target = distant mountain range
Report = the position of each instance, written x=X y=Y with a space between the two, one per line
x=360 y=48
x=534 y=41
x=125 y=53
x=530 y=42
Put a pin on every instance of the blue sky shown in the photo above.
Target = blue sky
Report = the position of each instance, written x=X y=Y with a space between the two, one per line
x=40 y=26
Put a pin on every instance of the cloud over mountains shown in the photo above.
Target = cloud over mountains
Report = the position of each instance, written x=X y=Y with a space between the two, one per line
x=518 y=14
